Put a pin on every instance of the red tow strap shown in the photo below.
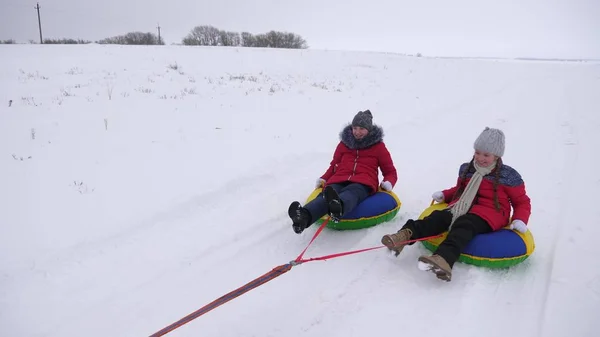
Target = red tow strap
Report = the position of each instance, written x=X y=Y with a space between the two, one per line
x=275 y=272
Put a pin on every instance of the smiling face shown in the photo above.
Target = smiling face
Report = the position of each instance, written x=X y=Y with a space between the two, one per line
x=484 y=159
x=359 y=132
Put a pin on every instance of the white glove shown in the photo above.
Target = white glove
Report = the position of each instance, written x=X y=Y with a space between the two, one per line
x=319 y=182
x=386 y=185
x=438 y=196
x=518 y=225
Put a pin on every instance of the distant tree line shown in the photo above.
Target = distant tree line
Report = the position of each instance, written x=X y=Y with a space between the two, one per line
x=66 y=41
x=198 y=36
x=211 y=36
x=134 y=38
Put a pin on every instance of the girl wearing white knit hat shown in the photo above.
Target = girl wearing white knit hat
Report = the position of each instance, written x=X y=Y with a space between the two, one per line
x=479 y=203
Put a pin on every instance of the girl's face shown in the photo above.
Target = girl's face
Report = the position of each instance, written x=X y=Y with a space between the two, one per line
x=484 y=159
x=359 y=132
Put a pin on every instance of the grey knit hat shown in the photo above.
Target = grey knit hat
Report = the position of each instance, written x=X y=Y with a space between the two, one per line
x=363 y=119
x=490 y=140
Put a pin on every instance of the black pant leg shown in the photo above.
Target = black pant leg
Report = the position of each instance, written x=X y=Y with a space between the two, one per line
x=435 y=223
x=462 y=232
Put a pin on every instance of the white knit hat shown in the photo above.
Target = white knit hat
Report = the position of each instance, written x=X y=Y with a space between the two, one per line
x=490 y=140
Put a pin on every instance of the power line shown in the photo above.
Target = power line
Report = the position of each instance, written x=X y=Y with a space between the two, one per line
x=158 y=26
x=39 y=21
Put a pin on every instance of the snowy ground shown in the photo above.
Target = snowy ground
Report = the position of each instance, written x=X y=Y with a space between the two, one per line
x=138 y=184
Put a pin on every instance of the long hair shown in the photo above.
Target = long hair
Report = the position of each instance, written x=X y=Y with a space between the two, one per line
x=471 y=168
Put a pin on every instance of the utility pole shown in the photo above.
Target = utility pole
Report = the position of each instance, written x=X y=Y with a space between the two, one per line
x=39 y=21
x=158 y=33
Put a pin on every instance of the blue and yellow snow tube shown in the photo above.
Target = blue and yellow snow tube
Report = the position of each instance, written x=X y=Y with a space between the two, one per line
x=500 y=249
x=375 y=209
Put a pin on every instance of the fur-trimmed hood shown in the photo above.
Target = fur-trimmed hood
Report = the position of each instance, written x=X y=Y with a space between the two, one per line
x=374 y=136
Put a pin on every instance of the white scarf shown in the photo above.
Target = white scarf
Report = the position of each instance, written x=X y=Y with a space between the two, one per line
x=463 y=204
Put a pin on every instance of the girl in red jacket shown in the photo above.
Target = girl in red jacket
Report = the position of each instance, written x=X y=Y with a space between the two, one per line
x=352 y=176
x=479 y=203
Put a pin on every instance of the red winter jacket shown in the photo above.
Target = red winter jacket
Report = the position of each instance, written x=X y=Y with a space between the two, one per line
x=511 y=191
x=359 y=161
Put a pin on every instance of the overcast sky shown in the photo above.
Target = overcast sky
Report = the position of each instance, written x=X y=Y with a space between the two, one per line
x=502 y=28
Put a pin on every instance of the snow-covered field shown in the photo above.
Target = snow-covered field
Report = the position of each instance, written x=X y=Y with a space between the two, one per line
x=138 y=184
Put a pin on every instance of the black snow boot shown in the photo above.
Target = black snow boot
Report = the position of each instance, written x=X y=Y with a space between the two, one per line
x=334 y=203
x=300 y=216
